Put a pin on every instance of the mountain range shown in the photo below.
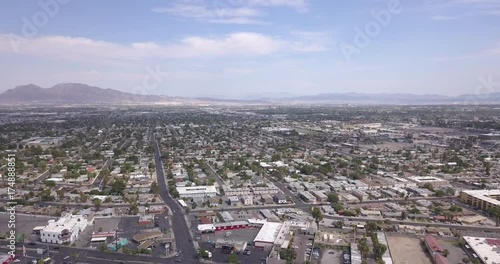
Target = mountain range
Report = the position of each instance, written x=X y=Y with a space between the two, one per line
x=75 y=93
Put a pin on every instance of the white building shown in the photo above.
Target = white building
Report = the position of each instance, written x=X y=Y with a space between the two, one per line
x=248 y=200
x=267 y=234
x=197 y=191
x=66 y=229
x=484 y=248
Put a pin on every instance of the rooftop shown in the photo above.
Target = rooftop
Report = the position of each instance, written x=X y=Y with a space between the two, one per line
x=268 y=232
x=485 y=248
x=196 y=189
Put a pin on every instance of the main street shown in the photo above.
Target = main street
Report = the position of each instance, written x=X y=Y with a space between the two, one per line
x=181 y=230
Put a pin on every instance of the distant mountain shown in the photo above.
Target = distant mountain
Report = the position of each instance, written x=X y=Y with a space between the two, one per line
x=75 y=93
x=69 y=93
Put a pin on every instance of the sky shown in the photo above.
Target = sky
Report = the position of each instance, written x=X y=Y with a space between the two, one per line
x=252 y=48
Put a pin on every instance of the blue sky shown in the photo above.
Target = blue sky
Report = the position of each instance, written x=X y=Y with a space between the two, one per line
x=235 y=48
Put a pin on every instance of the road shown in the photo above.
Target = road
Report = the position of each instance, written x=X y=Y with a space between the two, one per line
x=181 y=230
x=82 y=255
x=98 y=179
x=402 y=222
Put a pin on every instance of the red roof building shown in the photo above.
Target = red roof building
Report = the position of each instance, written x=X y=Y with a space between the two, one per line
x=433 y=245
x=440 y=259
x=205 y=220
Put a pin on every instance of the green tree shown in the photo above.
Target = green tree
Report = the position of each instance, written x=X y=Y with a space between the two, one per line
x=404 y=215
x=317 y=215
x=97 y=203
x=429 y=186
x=233 y=259
x=204 y=253
x=118 y=186
x=495 y=212
x=50 y=183
x=333 y=198
x=155 y=188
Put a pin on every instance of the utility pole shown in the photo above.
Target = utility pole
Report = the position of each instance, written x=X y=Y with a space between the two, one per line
x=116 y=239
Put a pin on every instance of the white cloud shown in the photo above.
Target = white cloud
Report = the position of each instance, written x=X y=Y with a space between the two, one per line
x=444 y=17
x=299 y=5
x=228 y=15
x=88 y=50
x=228 y=11
x=312 y=41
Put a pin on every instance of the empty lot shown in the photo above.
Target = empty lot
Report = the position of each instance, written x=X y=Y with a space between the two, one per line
x=407 y=250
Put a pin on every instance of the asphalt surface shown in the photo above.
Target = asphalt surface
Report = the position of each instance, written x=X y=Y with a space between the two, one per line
x=404 y=222
x=183 y=239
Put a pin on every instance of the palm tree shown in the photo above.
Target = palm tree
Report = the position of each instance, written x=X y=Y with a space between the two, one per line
x=495 y=212
x=318 y=216
x=97 y=203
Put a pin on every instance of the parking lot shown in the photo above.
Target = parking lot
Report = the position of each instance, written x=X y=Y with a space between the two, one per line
x=247 y=234
x=331 y=256
x=24 y=224
x=301 y=243
x=244 y=234
x=456 y=253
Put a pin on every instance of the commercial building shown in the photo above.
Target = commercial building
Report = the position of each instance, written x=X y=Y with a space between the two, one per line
x=267 y=235
x=484 y=248
x=247 y=200
x=64 y=230
x=280 y=199
x=482 y=199
x=422 y=180
x=197 y=191
x=151 y=235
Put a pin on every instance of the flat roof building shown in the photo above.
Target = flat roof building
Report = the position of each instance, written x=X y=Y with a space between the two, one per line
x=422 y=180
x=66 y=229
x=485 y=248
x=483 y=199
x=267 y=234
x=197 y=191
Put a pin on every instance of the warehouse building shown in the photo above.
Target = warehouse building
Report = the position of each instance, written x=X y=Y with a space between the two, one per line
x=197 y=191
x=267 y=235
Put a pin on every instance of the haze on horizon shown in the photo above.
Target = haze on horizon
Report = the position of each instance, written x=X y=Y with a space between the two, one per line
x=235 y=48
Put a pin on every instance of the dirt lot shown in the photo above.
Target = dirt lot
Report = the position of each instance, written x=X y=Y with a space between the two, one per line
x=407 y=250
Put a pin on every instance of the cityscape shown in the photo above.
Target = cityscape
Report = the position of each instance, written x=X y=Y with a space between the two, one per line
x=252 y=184
x=250 y=132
